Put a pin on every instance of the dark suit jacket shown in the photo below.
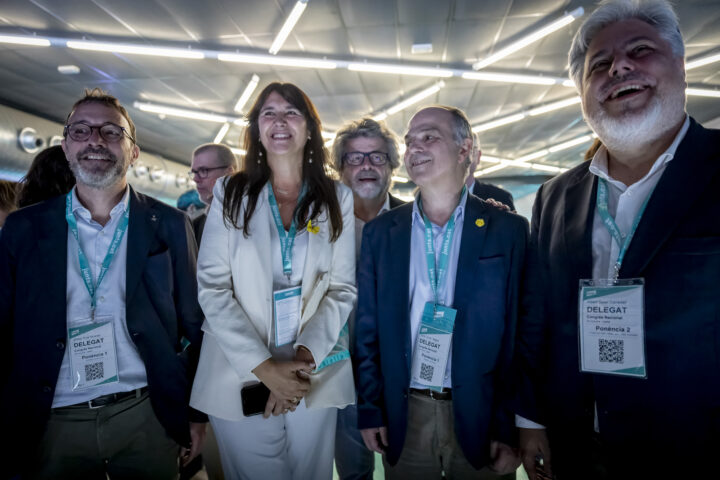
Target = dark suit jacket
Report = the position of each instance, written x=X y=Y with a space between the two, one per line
x=198 y=225
x=488 y=190
x=490 y=265
x=394 y=201
x=161 y=308
x=671 y=418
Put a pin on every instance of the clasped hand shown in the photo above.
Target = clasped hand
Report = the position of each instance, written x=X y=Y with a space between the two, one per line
x=288 y=381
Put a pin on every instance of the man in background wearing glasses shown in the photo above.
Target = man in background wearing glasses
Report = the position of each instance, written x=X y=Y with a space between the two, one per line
x=365 y=153
x=210 y=161
x=97 y=307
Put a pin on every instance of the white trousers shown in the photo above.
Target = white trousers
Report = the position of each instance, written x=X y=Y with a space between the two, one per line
x=298 y=445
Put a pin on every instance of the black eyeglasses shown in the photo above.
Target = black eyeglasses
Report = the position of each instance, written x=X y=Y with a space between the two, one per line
x=358 y=158
x=111 y=133
x=202 y=172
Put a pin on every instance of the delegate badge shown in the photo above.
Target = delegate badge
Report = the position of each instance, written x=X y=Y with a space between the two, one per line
x=286 y=307
x=93 y=358
x=611 y=326
x=433 y=346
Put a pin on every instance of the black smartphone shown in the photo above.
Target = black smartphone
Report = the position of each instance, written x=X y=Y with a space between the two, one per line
x=254 y=399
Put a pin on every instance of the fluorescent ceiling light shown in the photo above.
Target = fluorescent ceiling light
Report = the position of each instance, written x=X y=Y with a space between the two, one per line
x=492 y=169
x=513 y=78
x=499 y=122
x=570 y=143
x=221 y=134
x=531 y=38
x=699 y=62
x=327 y=135
x=247 y=93
x=398 y=179
x=183 y=113
x=549 y=107
x=532 y=156
x=273 y=60
x=491 y=159
x=412 y=100
x=238 y=151
x=702 y=92
x=135 y=49
x=25 y=40
x=399 y=69
x=287 y=27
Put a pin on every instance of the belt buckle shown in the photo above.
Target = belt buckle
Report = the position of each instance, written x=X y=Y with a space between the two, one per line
x=93 y=407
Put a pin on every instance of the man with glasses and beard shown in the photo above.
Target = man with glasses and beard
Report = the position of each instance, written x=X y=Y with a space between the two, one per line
x=365 y=153
x=621 y=356
x=99 y=318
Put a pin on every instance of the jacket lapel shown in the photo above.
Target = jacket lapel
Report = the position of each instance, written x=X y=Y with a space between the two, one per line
x=579 y=213
x=52 y=249
x=684 y=180
x=475 y=226
x=399 y=276
x=144 y=220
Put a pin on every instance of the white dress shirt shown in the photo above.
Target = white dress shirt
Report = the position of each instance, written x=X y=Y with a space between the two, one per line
x=95 y=240
x=420 y=290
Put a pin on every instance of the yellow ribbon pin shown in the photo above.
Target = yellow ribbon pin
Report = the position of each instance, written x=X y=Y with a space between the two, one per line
x=480 y=222
x=311 y=228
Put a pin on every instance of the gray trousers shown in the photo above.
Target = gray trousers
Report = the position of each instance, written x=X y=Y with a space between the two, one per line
x=123 y=440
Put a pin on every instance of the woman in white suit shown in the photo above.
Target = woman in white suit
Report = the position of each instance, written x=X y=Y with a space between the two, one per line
x=276 y=274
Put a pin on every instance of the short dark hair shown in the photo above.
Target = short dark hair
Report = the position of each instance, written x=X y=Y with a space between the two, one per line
x=8 y=194
x=97 y=95
x=49 y=175
x=223 y=153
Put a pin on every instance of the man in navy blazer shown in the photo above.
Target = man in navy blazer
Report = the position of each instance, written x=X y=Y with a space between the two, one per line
x=459 y=422
x=627 y=62
x=127 y=413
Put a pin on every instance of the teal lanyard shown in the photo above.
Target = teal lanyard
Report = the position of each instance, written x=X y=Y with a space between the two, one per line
x=622 y=240
x=437 y=276
x=82 y=258
x=287 y=239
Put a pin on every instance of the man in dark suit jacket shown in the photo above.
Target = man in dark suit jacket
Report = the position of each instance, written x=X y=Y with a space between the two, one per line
x=127 y=417
x=365 y=153
x=458 y=421
x=485 y=190
x=665 y=424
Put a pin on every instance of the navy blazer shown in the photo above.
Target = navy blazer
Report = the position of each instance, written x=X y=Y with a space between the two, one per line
x=490 y=266
x=488 y=190
x=673 y=416
x=161 y=309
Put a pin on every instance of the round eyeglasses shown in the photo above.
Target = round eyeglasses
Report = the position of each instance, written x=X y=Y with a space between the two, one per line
x=111 y=133
x=358 y=158
x=203 y=172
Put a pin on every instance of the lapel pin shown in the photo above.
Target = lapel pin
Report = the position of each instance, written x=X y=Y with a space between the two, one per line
x=153 y=217
x=480 y=222
x=312 y=228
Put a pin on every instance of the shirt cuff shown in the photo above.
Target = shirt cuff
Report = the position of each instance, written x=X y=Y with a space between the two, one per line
x=522 y=422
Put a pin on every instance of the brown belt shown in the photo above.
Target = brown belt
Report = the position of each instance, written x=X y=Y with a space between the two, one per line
x=446 y=394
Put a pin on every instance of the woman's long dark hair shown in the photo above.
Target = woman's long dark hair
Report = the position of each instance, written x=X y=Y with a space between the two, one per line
x=253 y=176
x=49 y=175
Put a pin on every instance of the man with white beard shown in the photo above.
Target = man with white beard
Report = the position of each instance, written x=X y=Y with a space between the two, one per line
x=365 y=153
x=620 y=355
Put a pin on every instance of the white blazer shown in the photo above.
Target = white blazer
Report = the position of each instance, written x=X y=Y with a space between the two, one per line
x=236 y=290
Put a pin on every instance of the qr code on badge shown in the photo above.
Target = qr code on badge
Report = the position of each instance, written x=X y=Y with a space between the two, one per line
x=94 y=371
x=426 y=372
x=611 y=351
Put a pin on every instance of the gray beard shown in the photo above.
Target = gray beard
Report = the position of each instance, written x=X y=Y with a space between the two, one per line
x=634 y=131
x=98 y=180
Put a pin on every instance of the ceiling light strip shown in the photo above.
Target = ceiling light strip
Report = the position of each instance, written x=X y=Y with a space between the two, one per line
x=549 y=107
x=133 y=49
x=260 y=59
x=247 y=93
x=399 y=69
x=702 y=92
x=533 y=37
x=702 y=61
x=25 y=40
x=183 y=113
x=221 y=134
x=287 y=27
x=412 y=100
